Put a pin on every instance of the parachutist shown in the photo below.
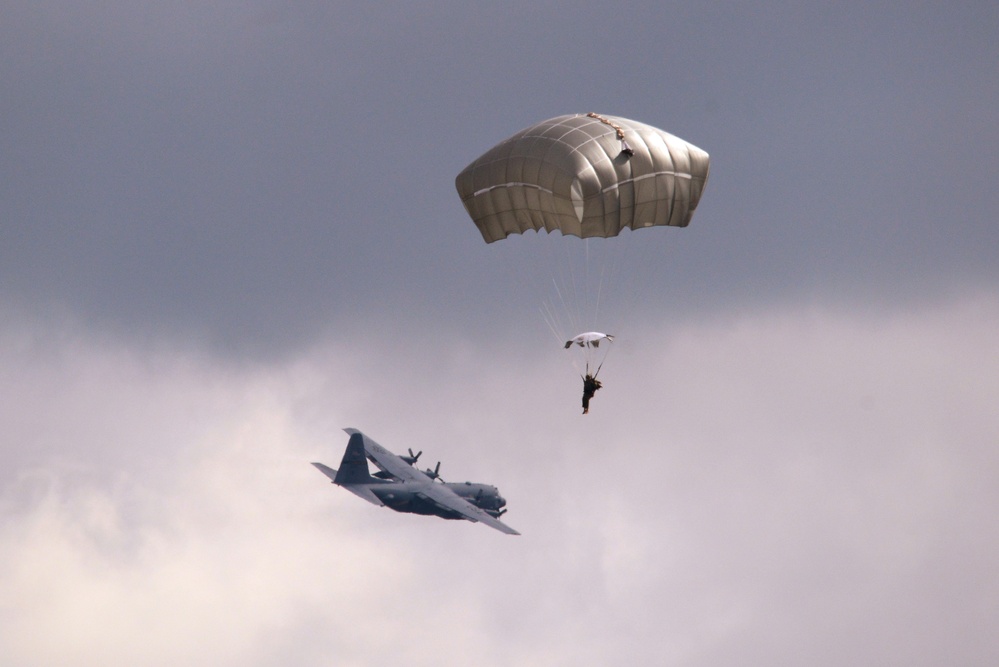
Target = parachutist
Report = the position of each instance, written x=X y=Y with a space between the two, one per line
x=590 y=386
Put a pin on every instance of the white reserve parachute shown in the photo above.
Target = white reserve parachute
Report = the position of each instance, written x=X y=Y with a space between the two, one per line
x=588 y=339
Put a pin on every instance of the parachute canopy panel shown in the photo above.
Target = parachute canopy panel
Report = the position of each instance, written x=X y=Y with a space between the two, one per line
x=583 y=175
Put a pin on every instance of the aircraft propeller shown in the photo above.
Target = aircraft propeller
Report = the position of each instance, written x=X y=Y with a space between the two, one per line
x=412 y=458
x=435 y=473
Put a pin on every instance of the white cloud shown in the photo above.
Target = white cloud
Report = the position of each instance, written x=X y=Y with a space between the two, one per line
x=784 y=488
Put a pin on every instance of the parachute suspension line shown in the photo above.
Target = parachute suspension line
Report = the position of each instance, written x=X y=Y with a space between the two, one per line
x=564 y=276
x=573 y=283
x=590 y=266
x=587 y=260
x=601 y=283
x=551 y=318
x=595 y=373
x=546 y=316
x=604 y=265
x=563 y=280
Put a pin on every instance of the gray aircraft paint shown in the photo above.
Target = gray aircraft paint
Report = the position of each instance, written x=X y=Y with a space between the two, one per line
x=406 y=489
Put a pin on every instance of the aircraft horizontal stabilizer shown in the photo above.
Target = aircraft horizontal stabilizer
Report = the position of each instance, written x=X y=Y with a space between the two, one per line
x=326 y=470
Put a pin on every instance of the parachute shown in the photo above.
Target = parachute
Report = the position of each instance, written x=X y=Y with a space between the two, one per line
x=588 y=339
x=587 y=176
x=590 y=352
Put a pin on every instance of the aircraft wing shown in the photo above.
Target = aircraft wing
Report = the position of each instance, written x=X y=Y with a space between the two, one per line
x=448 y=499
x=388 y=461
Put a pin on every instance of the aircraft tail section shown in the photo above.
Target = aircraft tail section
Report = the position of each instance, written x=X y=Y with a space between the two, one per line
x=354 y=467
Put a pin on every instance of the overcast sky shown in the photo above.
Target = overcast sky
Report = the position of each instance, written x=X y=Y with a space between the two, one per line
x=229 y=230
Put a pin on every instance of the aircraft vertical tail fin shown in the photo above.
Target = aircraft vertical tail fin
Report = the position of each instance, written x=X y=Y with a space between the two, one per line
x=354 y=466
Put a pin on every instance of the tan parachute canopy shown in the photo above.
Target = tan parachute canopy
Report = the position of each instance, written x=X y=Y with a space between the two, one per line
x=584 y=175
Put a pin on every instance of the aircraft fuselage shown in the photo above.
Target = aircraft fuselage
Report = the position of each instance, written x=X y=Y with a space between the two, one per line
x=408 y=497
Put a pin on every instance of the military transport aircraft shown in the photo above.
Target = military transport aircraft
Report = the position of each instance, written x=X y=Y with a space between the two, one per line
x=402 y=487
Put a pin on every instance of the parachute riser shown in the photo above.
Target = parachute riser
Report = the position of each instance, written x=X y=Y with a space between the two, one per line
x=595 y=374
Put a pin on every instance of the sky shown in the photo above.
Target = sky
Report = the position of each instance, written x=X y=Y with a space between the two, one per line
x=230 y=230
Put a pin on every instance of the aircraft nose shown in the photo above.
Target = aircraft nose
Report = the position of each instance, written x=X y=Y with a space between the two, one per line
x=500 y=501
